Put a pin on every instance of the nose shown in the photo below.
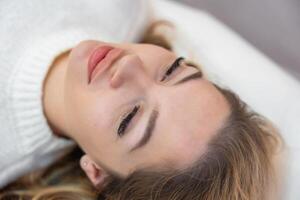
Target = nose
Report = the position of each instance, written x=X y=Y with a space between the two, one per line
x=129 y=70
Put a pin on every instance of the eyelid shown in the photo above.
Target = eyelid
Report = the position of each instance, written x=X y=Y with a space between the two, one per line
x=136 y=103
x=134 y=111
x=183 y=63
x=175 y=65
x=164 y=75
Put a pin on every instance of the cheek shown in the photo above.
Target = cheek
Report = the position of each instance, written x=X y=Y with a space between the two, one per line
x=86 y=115
x=153 y=56
x=91 y=129
x=91 y=117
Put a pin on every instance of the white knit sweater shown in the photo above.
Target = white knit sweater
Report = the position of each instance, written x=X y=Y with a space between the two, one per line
x=32 y=34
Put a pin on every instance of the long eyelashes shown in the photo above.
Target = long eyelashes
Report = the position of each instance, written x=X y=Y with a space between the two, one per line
x=174 y=66
x=124 y=123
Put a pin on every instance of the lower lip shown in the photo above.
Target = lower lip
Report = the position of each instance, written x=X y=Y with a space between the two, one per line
x=96 y=57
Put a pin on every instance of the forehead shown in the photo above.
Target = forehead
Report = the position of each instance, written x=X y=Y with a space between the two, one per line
x=189 y=116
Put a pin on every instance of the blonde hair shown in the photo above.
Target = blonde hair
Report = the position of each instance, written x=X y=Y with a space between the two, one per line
x=236 y=166
x=62 y=180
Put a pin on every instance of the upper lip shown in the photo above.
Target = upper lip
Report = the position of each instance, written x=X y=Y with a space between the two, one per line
x=103 y=64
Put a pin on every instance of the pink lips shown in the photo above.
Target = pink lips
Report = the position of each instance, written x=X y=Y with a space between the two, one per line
x=96 y=57
x=101 y=58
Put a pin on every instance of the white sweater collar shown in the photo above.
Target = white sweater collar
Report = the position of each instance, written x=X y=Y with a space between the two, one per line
x=27 y=84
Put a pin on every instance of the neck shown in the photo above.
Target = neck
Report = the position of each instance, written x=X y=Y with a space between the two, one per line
x=53 y=99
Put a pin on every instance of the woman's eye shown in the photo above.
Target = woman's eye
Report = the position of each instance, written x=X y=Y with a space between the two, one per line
x=125 y=122
x=171 y=69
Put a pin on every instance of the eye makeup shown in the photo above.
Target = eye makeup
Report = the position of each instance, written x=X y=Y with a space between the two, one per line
x=124 y=123
x=177 y=63
x=174 y=66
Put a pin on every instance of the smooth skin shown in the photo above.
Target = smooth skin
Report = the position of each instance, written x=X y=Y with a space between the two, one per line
x=188 y=114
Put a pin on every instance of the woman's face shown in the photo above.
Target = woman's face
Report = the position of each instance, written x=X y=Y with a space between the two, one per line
x=169 y=121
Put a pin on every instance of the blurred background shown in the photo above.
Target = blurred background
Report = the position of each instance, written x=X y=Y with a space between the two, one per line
x=273 y=26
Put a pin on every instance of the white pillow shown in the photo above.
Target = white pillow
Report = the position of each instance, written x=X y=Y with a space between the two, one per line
x=231 y=61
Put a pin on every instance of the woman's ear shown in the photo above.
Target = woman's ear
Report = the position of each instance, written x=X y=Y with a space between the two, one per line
x=94 y=172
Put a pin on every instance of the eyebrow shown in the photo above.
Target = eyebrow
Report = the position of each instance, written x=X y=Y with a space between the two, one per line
x=194 y=76
x=154 y=114
x=148 y=131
